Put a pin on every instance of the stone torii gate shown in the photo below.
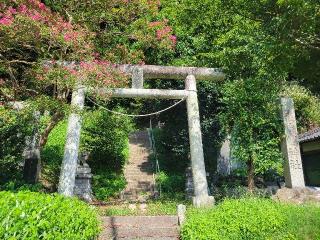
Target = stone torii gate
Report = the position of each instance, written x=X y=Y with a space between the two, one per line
x=138 y=74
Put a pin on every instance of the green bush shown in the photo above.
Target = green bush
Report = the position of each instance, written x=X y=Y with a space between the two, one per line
x=17 y=185
x=107 y=184
x=29 y=215
x=307 y=106
x=172 y=162
x=170 y=183
x=52 y=154
x=253 y=218
x=14 y=128
x=105 y=136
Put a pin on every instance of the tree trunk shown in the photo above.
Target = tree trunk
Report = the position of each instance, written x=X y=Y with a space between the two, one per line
x=250 y=169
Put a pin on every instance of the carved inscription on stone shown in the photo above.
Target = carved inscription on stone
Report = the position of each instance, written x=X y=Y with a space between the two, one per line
x=290 y=146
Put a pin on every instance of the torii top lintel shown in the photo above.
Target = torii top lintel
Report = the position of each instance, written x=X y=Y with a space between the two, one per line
x=170 y=72
x=162 y=72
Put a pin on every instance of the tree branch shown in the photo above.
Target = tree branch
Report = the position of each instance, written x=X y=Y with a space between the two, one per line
x=53 y=122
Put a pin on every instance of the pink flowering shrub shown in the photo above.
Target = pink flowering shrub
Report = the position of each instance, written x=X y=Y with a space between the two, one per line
x=96 y=73
x=30 y=23
x=128 y=31
x=30 y=33
x=164 y=33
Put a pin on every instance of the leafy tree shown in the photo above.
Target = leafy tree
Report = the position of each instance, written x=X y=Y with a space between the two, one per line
x=260 y=46
x=250 y=114
x=13 y=131
x=306 y=104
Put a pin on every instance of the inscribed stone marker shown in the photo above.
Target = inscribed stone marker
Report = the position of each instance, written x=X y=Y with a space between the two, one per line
x=293 y=171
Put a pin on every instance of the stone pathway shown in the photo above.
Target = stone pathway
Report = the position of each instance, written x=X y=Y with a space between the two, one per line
x=138 y=171
x=140 y=227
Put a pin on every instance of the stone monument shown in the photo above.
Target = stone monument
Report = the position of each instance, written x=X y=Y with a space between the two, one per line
x=293 y=171
x=82 y=187
x=189 y=190
x=224 y=158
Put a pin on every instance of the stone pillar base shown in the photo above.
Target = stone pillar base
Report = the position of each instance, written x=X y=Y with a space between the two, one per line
x=203 y=201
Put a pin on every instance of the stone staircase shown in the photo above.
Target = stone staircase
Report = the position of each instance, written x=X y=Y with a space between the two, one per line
x=140 y=227
x=138 y=171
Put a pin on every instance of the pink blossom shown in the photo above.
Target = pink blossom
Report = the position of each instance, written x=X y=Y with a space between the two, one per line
x=163 y=32
x=72 y=36
x=6 y=21
x=42 y=6
x=73 y=71
x=67 y=37
x=154 y=24
x=173 y=39
x=22 y=9
x=65 y=25
x=12 y=10
x=36 y=17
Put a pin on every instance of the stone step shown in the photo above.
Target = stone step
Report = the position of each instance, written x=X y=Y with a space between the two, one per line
x=140 y=227
x=133 y=185
x=141 y=182
x=150 y=238
x=145 y=178
x=136 y=221
x=138 y=172
x=136 y=167
x=138 y=190
x=140 y=175
x=141 y=232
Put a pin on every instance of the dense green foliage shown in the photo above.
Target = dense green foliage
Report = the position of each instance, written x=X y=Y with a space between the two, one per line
x=13 y=132
x=52 y=155
x=172 y=140
x=29 y=215
x=105 y=137
x=306 y=104
x=253 y=218
x=260 y=45
x=252 y=117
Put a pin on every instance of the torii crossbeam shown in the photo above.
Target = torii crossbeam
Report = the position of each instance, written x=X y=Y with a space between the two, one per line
x=138 y=74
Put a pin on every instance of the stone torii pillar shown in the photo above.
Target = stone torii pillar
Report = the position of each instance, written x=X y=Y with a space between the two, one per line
x=201 y=197
x=71 y=150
